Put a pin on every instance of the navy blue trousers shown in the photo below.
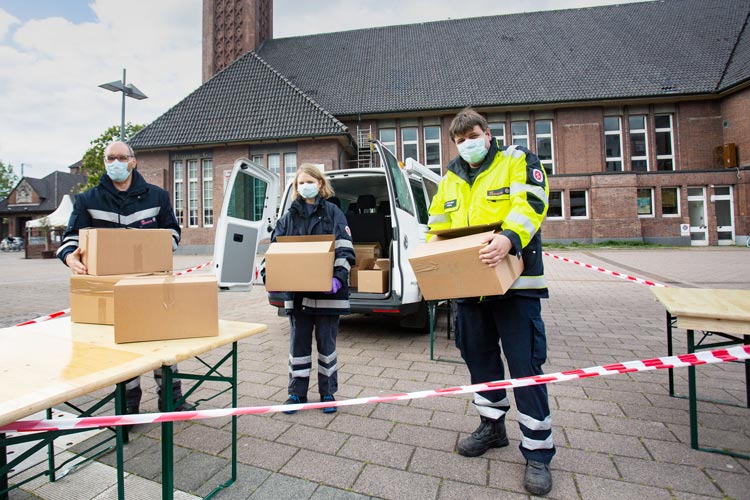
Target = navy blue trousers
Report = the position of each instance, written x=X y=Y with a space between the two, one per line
x=326 y=327
x=512 y=326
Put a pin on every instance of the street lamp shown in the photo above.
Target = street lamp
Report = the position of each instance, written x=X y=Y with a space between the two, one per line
x=129 y=90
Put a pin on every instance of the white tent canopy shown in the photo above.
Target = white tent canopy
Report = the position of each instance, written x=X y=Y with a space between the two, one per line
x=58 y=218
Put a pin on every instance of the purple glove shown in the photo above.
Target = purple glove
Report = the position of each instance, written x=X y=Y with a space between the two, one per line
x=335 y=285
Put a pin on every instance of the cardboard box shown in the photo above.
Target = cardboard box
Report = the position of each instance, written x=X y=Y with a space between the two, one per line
x=166 y=307
x=106 y=251
x=354 y=277
x=449 y=267
x=300 y=263
x=92 y=298
x=366 y=251
x=373 y=276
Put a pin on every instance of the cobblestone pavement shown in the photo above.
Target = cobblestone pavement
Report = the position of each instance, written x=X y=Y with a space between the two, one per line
x=618 y=437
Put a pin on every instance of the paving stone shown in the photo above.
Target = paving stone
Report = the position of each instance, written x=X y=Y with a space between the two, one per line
x=435 y=439
x=452 y=490
x=675 y=477
x=585 y=462
x=377 y=451
x=261 y=426
x=360 y=426
x=731 y=484
x=333 y=471
x=635 y=427
x=606 y=443
x=394 y=484
x=195 y=469
x=450 y=465
x=279 y=486
x=248 y=480
x=404 y=414
x=204 y=438
x=311 y=438
x=597 y=488
x=328 y=493
x=261 y=453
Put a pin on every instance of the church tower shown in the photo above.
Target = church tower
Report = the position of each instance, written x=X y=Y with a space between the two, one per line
x=231 y=28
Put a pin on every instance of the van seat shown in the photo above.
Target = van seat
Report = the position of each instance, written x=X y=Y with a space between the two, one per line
x=368 y=226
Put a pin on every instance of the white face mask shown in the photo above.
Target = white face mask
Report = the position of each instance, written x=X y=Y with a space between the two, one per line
x=117 y=170
x=473 y=150
x=307 y=190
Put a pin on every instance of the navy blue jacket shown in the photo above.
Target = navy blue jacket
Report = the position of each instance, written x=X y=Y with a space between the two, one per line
x=143 y=206
x=326 y=218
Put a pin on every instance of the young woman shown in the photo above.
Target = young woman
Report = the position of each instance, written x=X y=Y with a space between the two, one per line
x=311 y=213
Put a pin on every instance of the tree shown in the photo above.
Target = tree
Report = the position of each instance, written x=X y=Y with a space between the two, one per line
x=8 y=180
x=93 y=159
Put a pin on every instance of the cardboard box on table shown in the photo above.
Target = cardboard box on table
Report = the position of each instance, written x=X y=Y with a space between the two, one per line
x=373 y=276
x=300 y=263
x=166 y=307
x=109 y=251
x=449 y=267
x=92 y=298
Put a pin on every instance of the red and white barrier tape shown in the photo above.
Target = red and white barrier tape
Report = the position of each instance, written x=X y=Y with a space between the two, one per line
x=205 y=264
x=738 y=353
x=626 y=277
x=45 y=318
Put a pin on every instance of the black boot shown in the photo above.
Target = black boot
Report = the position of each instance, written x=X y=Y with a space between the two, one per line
x=185 y=406
x=489 y=434
x=538 y=478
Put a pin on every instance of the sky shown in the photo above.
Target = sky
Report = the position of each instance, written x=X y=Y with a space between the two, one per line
x=55 y=53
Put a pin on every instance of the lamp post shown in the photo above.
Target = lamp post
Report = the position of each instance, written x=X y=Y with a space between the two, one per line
x=128 y=90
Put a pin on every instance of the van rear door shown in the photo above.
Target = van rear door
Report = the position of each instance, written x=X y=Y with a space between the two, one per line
x=247 y=216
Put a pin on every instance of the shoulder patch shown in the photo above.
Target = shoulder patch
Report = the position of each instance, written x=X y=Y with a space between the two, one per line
x=538 y=176
x=348 y=231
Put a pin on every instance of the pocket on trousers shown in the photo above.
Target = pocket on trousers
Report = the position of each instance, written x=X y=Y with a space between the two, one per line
x=539 y=342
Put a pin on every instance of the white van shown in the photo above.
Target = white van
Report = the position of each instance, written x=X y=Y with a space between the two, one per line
x=387 y=204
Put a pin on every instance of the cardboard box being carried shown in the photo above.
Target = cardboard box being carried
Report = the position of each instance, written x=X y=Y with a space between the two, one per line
x=166 y=307
x=108 y=251
x=300 y=263
x=449 y=267
x=373 y=276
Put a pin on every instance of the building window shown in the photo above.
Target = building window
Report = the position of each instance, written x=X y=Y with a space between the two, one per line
x=192 y=167
x=179 y=194
x=258 y=159
x=432 y=153
x=638 y=143
x=290 y=166
x=579 y=207
x=670 y=201
x=409 y=143
x=544 y=147
x=664 y=145
x=497 y=130
x=645 y=202
x=388 y=138
x=555 y=210
x=208 y=193
x=613 y=143
x=274 y=163
x=519 y=132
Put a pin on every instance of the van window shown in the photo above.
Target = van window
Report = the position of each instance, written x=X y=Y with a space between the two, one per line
x=403 y=200
x=247 y=198
x=417 y=189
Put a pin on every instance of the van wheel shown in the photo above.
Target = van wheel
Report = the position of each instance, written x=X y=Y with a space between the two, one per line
x=418 y=321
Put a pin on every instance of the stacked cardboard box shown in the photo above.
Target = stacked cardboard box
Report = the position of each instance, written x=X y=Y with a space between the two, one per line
x=130 y=286
x=300 y=263
x=373 y=276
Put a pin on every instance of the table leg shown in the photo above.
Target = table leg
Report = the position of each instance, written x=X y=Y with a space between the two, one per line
x=431 y=318
x=120 y=436
x=692 y=394
x=167 y=429
x=670 y=371
x=234 y=417
x=747 y=374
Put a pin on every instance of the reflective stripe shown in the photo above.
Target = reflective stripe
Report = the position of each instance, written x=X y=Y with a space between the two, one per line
x=175 y=235
x=140 y=215
x=328 y=371
x=527 y=224
x=537 y=191
x=102 y=215
x=300 y=373
x=288 y=304
x=133 y=383
x=65 y=245
x=437 y=219
x=327 y=359
x=535 y=444
x=342 y=243
x=534 y=424
x=342 y=263
x=488 y=409
x=300 y=360
x=529 y=282
x=513 y=152
x=325 y=303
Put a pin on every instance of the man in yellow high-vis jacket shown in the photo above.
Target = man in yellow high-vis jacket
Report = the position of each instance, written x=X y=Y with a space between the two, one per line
x=488 y=184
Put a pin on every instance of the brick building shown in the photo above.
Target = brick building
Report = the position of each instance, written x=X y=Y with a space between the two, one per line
x=640 y=112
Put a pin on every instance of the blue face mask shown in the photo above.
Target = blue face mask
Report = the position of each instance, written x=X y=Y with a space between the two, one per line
x=307 y=190
x=473 y=150
x=117 y=170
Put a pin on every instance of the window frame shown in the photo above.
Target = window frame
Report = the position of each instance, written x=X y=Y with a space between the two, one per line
x=513 y=136
x=643 y=131
x=585 y=201
x=391 y=145
x=193 y=204
x=500 y=125
x=618 y=132
x=677 y=198
x=414 y=143
x=551 y=162
x=432 y=166
x=562 y=205
x=670 y=130
x=650 y=215
x=207 y=201
x=178 y=184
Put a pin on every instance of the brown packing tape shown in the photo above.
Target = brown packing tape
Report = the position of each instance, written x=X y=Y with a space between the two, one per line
x=168 y=289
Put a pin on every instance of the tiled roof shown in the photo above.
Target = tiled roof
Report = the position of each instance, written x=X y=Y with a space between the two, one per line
x=643 y=49
x=247 y=101
x=49 y=195
x=293 y=87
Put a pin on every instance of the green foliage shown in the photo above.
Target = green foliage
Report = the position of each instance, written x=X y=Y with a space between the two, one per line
x=8 y=180
x=93 y=158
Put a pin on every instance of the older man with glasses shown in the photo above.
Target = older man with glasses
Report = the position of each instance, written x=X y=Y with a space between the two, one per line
x=123 y=198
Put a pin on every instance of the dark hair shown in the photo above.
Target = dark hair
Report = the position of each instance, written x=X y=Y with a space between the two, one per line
x=465 y=121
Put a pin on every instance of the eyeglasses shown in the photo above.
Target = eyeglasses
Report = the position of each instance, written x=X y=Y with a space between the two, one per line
x=118 y=157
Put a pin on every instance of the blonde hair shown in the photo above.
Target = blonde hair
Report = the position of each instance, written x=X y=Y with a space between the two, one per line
x=326 y=191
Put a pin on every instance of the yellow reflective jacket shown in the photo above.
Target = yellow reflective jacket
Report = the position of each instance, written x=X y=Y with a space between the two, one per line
x=510 y=186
